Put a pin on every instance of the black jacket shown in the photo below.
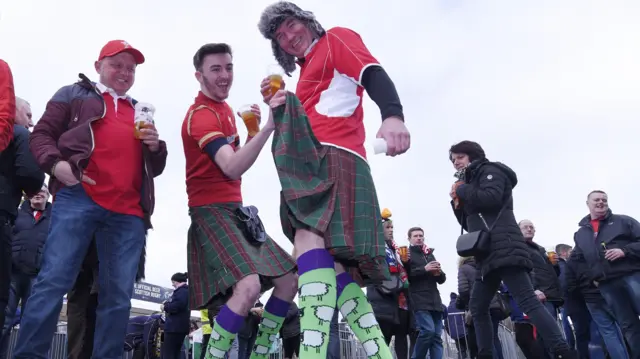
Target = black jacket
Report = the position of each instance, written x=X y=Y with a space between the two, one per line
x=423 y=286
x=251 y=323
x=487 y=189
x=29 y=237
x=291 y=326
x=385 y=306
x=615 y=231
x=578 y=281
x=467 y=275
x=19 y=172
x=545 y=276
x=573 y=301
x=178 y=319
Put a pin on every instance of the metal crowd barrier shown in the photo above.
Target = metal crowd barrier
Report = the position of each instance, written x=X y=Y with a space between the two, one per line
x=350 y=347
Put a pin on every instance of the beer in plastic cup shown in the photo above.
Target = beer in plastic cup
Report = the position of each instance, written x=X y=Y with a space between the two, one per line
x=274 y=73
x=403 y=251
x=143 y=117
x=250 y=120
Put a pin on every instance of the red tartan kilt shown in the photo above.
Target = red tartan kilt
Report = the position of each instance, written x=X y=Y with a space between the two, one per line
x=219 y=255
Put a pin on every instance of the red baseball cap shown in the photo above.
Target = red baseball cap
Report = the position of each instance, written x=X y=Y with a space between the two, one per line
x=115 y=47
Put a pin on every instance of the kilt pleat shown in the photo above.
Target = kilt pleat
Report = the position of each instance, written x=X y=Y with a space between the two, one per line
x=329 y=191
x=219 y=255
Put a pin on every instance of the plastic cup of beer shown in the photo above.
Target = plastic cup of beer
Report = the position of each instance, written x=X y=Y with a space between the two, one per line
x=143 y=117
x=250 y=120
x=403 y=251
x=275 y=73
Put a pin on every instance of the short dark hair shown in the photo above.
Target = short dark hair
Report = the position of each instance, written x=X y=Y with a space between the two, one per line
x=414 y=229
x=209 y=49
x=596 y=191
x=563 y=248
x=469 y=148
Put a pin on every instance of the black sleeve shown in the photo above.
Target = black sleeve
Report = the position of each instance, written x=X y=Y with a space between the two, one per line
x=459 y=215
x=632 y=249
x=489 y=191
x=28 y=173
x=214 y=146
x=382 y=91
x=570 y=279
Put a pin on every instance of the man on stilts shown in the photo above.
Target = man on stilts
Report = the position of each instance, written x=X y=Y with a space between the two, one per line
x=230 y=258
x=329 y=206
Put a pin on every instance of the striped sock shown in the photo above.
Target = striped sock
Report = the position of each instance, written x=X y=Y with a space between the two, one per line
x=272 y=318
x=223 y=333
x=357 y=311
x=317 y=302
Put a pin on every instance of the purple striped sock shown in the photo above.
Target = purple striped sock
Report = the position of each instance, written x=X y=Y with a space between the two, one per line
x=314 y=259
x=277 y=307
x=343 y=280
x=229 y=321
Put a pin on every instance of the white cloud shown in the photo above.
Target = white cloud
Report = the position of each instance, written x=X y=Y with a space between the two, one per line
x=552 y=89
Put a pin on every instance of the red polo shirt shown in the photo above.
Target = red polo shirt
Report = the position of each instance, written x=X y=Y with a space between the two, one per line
x=206 y=121
x=116 y=161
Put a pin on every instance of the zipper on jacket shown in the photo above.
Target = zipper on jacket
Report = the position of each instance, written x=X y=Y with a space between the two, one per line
x=104 y=113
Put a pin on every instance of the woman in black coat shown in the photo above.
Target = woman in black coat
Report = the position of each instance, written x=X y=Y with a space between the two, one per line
x=392 y=309
x=484 y=196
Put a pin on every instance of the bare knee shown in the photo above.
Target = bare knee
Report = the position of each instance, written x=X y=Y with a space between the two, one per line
x=306 y=240
x=286 y=287
x=245 y=294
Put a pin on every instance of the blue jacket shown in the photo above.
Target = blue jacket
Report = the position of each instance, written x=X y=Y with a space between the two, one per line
x=178 y=318
x=29 y=237
x=454 y=320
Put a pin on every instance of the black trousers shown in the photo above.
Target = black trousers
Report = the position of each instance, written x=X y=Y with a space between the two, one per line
x=205 y=342
x=172 y=345
x=400 y=331
x=291 y=346
x=5 y=265
x=527 y=342
x=520 y=287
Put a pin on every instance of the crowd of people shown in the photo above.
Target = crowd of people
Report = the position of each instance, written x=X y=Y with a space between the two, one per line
x=90 y=242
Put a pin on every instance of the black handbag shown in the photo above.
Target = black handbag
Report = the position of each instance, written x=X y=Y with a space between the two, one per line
x=505 y=305
x=251 y=224
x=477 y=243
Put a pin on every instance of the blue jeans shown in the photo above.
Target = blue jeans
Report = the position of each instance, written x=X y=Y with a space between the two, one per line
x=588 y=339
x=233 y=352
x=75 y=221
x=429 y=325
x=20 y=290
x=245 y=346
x=333 y=351
x=596 y=345
x=623 y=296
x=606 y=323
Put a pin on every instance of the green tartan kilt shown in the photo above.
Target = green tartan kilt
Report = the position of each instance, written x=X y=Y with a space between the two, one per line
x=219 y=255
x=328 y=191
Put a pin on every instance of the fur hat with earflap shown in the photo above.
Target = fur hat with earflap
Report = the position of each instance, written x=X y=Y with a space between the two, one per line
x=273 y=16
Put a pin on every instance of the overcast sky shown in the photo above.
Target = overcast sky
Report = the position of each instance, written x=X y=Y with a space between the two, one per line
x=551 y=88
